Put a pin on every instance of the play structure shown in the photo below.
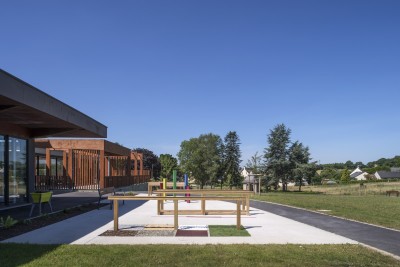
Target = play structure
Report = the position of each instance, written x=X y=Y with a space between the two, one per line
x=245 y=204
x=238 y=199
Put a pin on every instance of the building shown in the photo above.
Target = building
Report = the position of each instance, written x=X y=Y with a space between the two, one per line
x=387 y=175
x=27 y=113
x=86 y=164
x=358 y=174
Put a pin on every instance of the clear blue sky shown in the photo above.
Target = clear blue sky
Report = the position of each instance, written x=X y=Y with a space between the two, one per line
x=160 y=72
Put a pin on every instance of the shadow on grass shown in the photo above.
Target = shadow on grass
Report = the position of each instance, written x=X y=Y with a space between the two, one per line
x=20 y=254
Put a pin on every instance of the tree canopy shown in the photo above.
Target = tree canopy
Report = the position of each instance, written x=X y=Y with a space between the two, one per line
x=201 y=157
x=150 y=161
x=286 y=161
x=168 y=164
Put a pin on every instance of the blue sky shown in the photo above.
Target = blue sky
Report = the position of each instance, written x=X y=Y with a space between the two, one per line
x=160 y=72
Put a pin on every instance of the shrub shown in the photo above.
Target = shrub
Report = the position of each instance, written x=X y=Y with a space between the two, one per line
x=7 y=223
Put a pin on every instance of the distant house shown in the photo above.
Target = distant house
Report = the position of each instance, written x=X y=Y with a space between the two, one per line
x=395 y=169
x=358 y=174
x=250 y=182
x=387 y=175
x=246 y=172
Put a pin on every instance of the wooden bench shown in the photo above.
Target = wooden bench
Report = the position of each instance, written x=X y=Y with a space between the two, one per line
x=107 y=191
x=115 y=199
x=205 y=192
x=394 y=192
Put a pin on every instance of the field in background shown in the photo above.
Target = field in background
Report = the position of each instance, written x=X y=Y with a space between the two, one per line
x=351 y=189
x=348 y=201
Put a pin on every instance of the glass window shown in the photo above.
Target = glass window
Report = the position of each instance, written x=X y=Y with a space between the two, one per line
x=2 y=164
x=17 y=170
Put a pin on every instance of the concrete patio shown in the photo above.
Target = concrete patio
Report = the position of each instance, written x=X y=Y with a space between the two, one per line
x=264 y=227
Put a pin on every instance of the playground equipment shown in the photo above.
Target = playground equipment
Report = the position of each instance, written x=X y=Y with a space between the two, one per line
x=205 y=193
x=175 y=199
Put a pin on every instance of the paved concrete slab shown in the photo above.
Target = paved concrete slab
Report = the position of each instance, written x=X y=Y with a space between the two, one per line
x=264 y=227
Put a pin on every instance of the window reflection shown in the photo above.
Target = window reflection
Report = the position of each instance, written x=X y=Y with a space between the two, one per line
x=2 y=164
x=17 y=170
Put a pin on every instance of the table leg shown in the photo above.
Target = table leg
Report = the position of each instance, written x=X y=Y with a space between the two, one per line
x=238 y=214
x=115 y=215
x=175 y=214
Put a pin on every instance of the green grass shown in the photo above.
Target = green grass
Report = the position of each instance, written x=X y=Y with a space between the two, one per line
x=191 y=255
x=378 y=209
x=227 y=230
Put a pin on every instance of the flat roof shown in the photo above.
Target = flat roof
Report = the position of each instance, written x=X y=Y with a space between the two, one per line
x=27 y=111
x=111 y=149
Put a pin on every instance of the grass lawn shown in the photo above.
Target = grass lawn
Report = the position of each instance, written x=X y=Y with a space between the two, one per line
x=191 y=255
x=227 y=230
x=378 y=209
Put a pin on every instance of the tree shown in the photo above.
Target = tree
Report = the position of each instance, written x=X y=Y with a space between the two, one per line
x=276 y=155
x=254 y=163
x=345 y=175
x=150 y=161
x=299 y=156
x=202 y=158
x=231 y=160
x=168 y=164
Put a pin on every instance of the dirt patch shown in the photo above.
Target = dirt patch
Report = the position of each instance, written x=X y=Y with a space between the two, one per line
x=36 y=223
x=119 y=233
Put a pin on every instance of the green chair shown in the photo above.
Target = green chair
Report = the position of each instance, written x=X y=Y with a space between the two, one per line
x=38 y=199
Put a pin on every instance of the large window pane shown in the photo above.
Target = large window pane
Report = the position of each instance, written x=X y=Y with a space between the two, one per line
x=2 y=148
x=17 y=170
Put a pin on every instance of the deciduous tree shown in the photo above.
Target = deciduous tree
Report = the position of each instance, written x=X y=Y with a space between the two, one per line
x=168 y=164
x=202 y=158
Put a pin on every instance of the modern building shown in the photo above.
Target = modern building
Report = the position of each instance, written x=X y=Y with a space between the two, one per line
x=86 y=164
x=27 y=113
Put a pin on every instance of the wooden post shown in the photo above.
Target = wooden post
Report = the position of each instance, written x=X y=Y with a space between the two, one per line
x=70 y=171
x=248 y=204
x=48 y=162
x=115 y=214
x=102 y=169
x=203 y=205
x=238 y=214
x=175 y=214
x=64 y=164
x=158 y=207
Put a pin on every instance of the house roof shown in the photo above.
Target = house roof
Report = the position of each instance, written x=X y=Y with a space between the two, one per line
x=356 y=171
x=355 y=174
x=388 y=175
x=28 y=112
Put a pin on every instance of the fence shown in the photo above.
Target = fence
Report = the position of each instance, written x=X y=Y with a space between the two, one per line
x=44 y=183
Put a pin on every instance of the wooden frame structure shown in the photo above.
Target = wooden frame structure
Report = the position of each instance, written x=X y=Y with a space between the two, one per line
x=203 y=193
x=238 y=200
x=88 y=164
x=150 y=186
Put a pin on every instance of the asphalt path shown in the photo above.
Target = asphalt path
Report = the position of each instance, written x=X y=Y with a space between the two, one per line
x=374 y=236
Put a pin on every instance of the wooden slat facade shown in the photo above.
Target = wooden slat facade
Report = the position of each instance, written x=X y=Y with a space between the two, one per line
x=90 y=165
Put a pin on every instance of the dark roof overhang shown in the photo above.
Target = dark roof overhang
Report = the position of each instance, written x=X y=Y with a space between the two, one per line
x=28 y=112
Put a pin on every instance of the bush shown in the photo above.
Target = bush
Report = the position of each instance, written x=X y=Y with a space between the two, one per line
x=7 y=223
